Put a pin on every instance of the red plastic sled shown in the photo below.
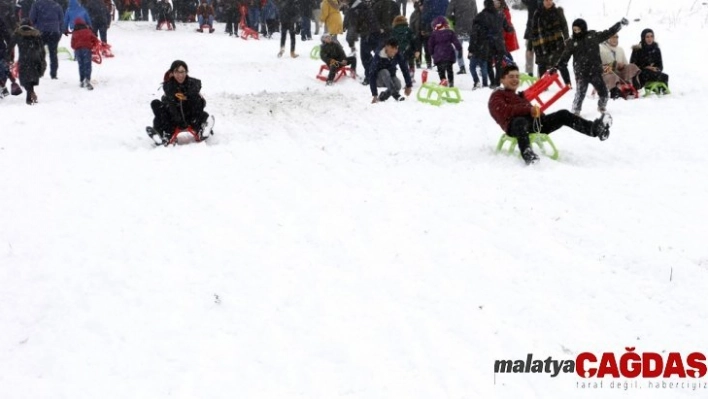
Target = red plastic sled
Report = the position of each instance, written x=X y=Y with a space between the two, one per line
x=341 y=72
x=246 y=32
x=178 y=131
x=535 y=90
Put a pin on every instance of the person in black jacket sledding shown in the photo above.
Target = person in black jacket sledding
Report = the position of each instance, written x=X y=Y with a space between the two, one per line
x=332 y=53
x=584 y=47
x=647 y=56
x=182 y=106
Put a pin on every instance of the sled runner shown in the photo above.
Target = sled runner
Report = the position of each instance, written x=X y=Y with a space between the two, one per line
x=656 y=88
x=341 y=72
x=182 y=136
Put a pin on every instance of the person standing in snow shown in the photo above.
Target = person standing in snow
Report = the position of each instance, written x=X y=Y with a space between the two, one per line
x=366 y=25
x=47 y=17
x=385 y=11
x=510 y=39
x=383 y=73
x=584 y=47
x=444 y=46
x=74 y=11
x=289 y=11
x=517 y=116
x=31 y=59
x=331 y=17
x=182 y=105
x=491 y=25
x=531 y=7
x=99 y=14
x=647 y=56
x=463 y=12
x=548 y=35
x=82 y=41
x=406 y=41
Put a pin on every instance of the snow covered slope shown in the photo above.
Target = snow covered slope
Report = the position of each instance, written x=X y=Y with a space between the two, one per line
x=319 y=246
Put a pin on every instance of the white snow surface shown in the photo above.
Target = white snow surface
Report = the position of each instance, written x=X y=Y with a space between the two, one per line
x=319 y=246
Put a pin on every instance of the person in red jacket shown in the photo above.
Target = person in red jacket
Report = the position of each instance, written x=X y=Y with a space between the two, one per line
x=82 y=41
x=517 y=116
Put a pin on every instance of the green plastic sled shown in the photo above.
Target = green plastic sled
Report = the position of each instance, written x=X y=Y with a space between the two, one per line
x=544 y=143
x=656 y=88
x=315 y=53
x=434 y=94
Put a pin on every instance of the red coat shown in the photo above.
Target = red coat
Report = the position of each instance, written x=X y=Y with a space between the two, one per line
x=505 y=105
x=512 y=43
x=83 y=37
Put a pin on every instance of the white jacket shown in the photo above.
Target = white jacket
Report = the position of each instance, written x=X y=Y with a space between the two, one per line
x=610 y=54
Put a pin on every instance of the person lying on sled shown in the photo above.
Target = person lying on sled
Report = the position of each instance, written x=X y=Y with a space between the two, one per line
x=181 y=107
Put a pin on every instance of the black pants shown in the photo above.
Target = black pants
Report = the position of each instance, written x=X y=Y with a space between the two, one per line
x=445 y=72
x=29 y=89
x=582 y=88
x=650 y=76
x=565 y=74
x=51 y=40
x=424 y=49
x=367 y=48
x=520 y=127
x=494 y=68
x=232 y=21
x=351 y=63
x=194 y=116
x=290 y=28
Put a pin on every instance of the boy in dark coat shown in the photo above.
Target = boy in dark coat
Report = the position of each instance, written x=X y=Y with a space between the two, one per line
x=491 y=24
x=584 y=47
x=31 y=59
x=82 y=41
x=182 y=105
x=515 y=115
x=442 y=44
x=382 y=73
x=647 y=56
x=332 y=53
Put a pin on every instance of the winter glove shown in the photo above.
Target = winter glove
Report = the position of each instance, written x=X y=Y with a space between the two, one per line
x=535 y=111
x=624 y=21
x=553 y=70
x=181 y=97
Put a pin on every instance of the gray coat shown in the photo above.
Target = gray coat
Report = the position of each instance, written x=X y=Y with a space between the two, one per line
x=464 y=12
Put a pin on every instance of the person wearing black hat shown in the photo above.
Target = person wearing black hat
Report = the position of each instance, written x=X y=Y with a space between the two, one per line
x=647 y=56
x=584 y=47
x=182 y=106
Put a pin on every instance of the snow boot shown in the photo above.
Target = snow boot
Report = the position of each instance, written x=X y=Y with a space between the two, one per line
x=206 y=129
x=384 y=95
x=529 y=156
x=281 y=52
x=4 y=92
x=88 y=85
x=462 y=71
x=156 y=136
x=398 y=97
x=601 y=127
x=293 y=55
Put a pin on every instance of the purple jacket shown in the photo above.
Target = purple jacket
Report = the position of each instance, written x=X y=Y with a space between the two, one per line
x=441 y=43
x=47 y=16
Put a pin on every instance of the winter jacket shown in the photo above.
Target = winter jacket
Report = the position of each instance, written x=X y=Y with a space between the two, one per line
x=505 y=105
x=363 y=19
x=644 y=55
x=548 y=34
x=269 y=12
x=531 y=7
x=332 y=51
x=431 y=10
x=47 y=16
x=464 y=12
x=31 y=61
x=177 y=110
x=487 y=39
x=381 y=62
x=510 y=40
x=289 y=11
x=205 y=10
x=98 y=12
x=332 y=18
x=83 y=37
x=8 y=24
x=74 y=11
x=442 y=45
x=385 y=11
x=7 y=41
x=405 y=38
x=585 y=50
x=612 y=55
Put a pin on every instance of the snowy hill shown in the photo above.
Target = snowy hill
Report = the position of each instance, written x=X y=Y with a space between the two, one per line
x=319 y=246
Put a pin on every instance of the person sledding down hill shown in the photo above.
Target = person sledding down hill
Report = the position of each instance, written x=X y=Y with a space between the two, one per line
x=181 y=107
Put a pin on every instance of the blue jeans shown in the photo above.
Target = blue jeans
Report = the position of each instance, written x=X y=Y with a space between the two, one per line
x=200 y=19
x=305 y=28
x=253 y=18
x=83 y=58
x=483 y=66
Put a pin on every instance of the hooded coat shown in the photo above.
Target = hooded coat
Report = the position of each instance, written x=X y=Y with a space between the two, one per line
x=74 y=11
x=584 y=47
x=644 y=55
x=83 y=37
x=464 y=12
x=443 y=42
x=487 y=39
x=31 y=61
x=404 y=35
x=332 y=18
